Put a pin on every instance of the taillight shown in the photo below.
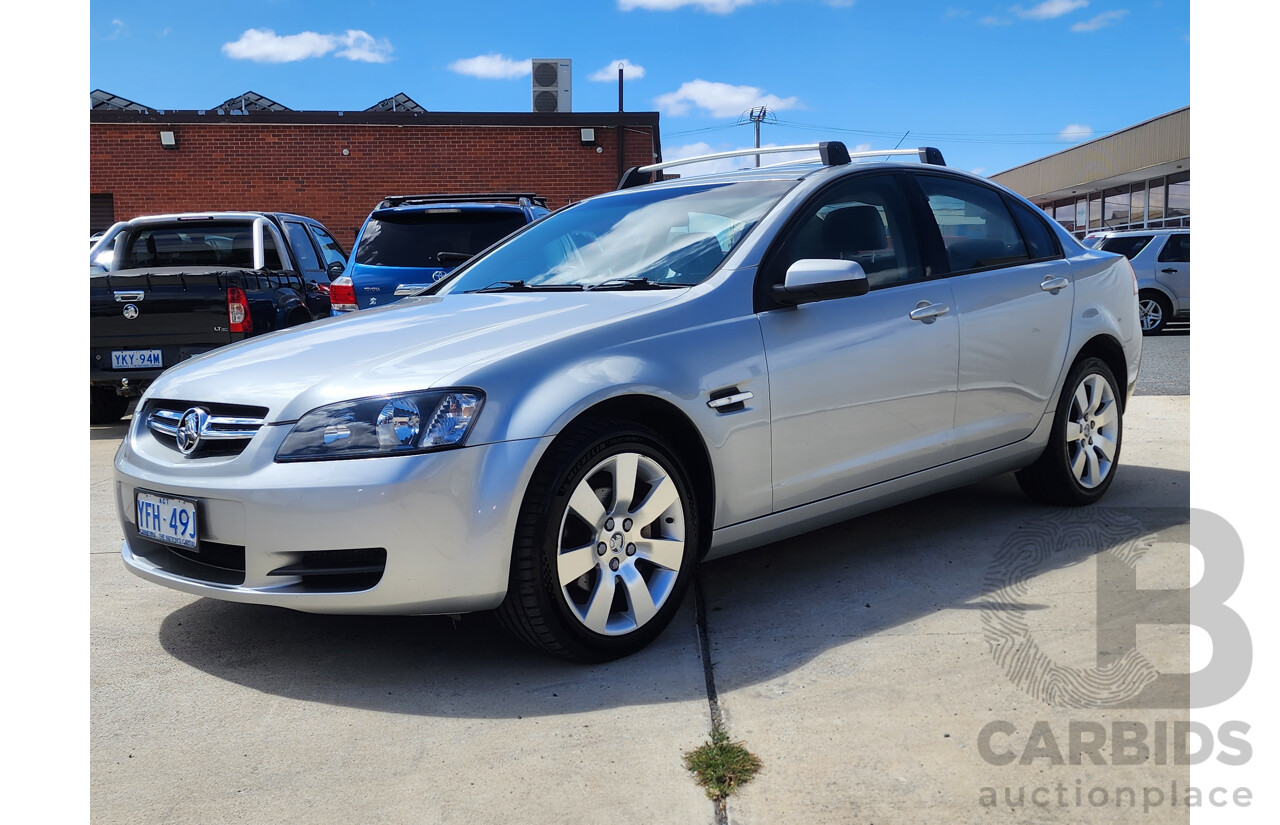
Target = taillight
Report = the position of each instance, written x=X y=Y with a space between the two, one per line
x=1134 y=274
x=238 y=310
x=342 y=294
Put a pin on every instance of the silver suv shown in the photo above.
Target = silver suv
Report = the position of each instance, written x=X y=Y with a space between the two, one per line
x=567 y=424
x=1162 y=260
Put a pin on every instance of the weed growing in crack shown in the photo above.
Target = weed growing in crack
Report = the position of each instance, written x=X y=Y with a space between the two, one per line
x=721 y=766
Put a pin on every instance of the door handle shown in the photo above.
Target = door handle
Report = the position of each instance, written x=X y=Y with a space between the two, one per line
x=1169 y=271
x=128 y=296
x=927 y=312
x=1054 y=285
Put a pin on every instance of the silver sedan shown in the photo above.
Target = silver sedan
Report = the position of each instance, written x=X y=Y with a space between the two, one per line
x=567 y=425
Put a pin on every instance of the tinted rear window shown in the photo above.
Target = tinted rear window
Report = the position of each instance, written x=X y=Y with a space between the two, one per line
x=1128 y=246
x=196 y=244
x=414 y=239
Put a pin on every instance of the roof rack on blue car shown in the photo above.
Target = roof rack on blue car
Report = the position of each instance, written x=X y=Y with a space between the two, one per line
x=523 y=198
x=831 y=153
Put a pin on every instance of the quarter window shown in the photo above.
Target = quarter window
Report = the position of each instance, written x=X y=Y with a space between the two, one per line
x=976 y=227
x=1177 y=250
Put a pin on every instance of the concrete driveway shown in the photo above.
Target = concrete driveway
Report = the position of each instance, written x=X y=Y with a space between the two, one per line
x=856 y=662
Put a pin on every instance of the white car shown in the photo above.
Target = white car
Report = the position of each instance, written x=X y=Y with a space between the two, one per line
x=1162 y=260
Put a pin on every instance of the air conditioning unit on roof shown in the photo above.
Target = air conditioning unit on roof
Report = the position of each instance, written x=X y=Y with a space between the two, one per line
x=551 y=85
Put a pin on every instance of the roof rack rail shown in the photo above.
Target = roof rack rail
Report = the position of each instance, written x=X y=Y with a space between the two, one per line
x=523 y=198
x=831 y=153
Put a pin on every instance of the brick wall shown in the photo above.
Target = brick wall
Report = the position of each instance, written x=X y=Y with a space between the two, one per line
x=230 y=164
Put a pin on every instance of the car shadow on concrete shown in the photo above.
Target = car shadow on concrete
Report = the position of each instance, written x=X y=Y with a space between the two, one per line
x=786 y=603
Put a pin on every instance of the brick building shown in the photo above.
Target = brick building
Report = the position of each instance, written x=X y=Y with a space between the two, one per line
x=251 y=153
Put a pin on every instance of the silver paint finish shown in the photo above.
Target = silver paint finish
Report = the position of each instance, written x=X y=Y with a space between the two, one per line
x=852 y=405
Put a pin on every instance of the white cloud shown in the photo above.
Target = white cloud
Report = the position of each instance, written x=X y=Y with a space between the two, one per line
x=721 y=99
x=1049 y=9
x=1101 y=21
x=713 y=6
x=491 y=67
x=265 y=46
x=995 y=20
x=362 y=46
x=1075 y=133
x=630 y=71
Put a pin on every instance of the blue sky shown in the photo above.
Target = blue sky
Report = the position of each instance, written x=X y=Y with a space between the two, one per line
x=992 y=84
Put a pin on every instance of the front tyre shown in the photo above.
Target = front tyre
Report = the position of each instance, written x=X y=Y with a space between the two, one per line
x=605 y=544
x=1079 y=463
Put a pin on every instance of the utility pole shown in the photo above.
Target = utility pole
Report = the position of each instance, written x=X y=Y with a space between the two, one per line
x=757 y=115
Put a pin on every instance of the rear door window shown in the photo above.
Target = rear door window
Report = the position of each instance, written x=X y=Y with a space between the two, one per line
x=308 y=259
x=1041 y=244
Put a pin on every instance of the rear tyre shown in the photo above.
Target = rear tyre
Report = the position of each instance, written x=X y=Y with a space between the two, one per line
x=1153 y=312
x=1079 y=463
x=605 y=544
x=105 y=407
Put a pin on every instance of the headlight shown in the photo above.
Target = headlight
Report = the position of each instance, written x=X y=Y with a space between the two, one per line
x=412 y=422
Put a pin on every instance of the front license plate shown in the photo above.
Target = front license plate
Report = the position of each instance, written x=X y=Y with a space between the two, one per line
x=170 y=520
x=136 y=359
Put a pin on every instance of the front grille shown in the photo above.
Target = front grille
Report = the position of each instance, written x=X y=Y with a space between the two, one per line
x=224 y=429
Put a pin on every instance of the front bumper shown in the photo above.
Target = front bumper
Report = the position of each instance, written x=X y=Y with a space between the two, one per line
x=445 y=521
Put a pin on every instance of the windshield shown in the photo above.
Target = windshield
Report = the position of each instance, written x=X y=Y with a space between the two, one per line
x=650 y=237
x=1127 y=245
x=417 y=238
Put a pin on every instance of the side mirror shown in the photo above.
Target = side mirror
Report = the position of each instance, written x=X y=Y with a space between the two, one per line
x=335 y=269
x=816 y=279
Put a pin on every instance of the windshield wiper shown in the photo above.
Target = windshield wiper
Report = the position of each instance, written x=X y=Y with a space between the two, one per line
x=636 y=283
x=521 y=286
x=446 y=257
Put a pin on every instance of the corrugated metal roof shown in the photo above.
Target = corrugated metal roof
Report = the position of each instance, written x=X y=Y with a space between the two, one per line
x=1162 y=140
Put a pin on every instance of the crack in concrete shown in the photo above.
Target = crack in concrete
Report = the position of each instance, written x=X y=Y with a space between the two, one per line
x=708 y=673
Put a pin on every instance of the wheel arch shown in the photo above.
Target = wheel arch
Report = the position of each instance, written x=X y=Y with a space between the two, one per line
x=672 y=424
x=1109 y=351
x=1157 y=287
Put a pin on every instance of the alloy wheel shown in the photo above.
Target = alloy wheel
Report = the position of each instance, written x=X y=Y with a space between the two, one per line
x=1093 y=426
x=622 y=542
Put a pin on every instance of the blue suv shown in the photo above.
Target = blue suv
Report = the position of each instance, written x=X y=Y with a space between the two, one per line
x=411 y=241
